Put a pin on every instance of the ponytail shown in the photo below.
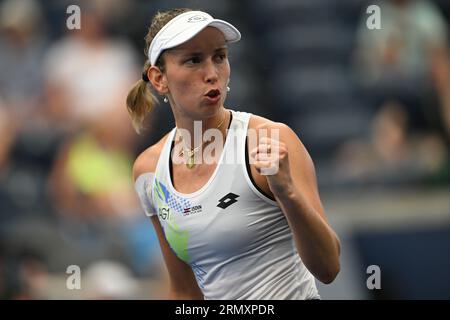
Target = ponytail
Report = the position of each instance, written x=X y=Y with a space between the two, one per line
x=140 y=101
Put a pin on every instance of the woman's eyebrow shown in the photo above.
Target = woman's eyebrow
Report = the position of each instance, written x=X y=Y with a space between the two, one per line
x=185 y=52
x=182 y=52
x=222 y=48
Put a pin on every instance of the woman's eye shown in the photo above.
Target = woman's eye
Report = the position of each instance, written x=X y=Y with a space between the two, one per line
x=193 y=60
x=221 y=56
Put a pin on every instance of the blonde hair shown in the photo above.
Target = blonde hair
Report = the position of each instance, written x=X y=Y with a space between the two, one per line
x=141 y=99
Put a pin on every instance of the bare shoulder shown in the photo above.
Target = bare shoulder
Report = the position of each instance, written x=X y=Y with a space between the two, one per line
x=148 y=159
x=298 y=154
x=258 y=122
x=285 y=132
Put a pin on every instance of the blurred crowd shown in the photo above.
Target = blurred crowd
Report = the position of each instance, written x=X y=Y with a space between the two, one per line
x=372 y=106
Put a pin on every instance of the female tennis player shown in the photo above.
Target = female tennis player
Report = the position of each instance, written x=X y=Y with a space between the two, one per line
x=238 y=216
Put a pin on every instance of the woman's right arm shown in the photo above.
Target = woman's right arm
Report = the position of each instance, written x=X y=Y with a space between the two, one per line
x=183 y=284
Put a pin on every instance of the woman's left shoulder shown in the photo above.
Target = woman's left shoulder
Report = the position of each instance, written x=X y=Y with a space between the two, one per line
x=261 y=123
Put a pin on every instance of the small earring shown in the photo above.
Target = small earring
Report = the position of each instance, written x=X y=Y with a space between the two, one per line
x=228 y=89
x=166 y=100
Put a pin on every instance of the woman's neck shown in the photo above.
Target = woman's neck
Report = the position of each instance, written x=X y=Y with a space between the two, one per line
x=192 y=131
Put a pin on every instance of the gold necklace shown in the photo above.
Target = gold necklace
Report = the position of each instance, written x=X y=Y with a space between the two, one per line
x=191 y=152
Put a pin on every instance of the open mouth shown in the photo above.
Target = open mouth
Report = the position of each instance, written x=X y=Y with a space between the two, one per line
x=213 y=93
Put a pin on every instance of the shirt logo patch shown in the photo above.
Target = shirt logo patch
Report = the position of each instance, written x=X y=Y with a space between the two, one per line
x=164 y=213
x=228 y=200
x=192 y=210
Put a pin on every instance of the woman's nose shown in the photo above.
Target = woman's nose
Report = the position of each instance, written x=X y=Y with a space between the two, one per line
x=211 y=72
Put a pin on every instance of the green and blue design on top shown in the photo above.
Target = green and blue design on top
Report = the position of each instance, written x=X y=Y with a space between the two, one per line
x=177 y=238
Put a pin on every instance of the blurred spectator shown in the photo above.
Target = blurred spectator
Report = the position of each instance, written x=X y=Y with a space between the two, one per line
x=405 y=68
x=109 y=280
x=407 y=60
x=91 y=185
x=391 y=155
x=22 y=47
x=87 y=72
x=92 y=174
x=25 y=153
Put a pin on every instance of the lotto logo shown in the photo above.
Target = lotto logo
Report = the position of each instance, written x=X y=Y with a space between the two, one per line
x=228 y=200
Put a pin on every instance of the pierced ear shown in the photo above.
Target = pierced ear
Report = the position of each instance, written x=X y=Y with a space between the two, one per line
x=158 y=80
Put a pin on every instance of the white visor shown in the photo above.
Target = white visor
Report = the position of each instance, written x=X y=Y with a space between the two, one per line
x=183 y=28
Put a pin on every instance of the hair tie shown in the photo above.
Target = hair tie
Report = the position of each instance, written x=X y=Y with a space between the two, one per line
x=144 y=77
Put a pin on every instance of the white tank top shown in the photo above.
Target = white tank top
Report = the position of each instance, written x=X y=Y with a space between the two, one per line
x=235 y=238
